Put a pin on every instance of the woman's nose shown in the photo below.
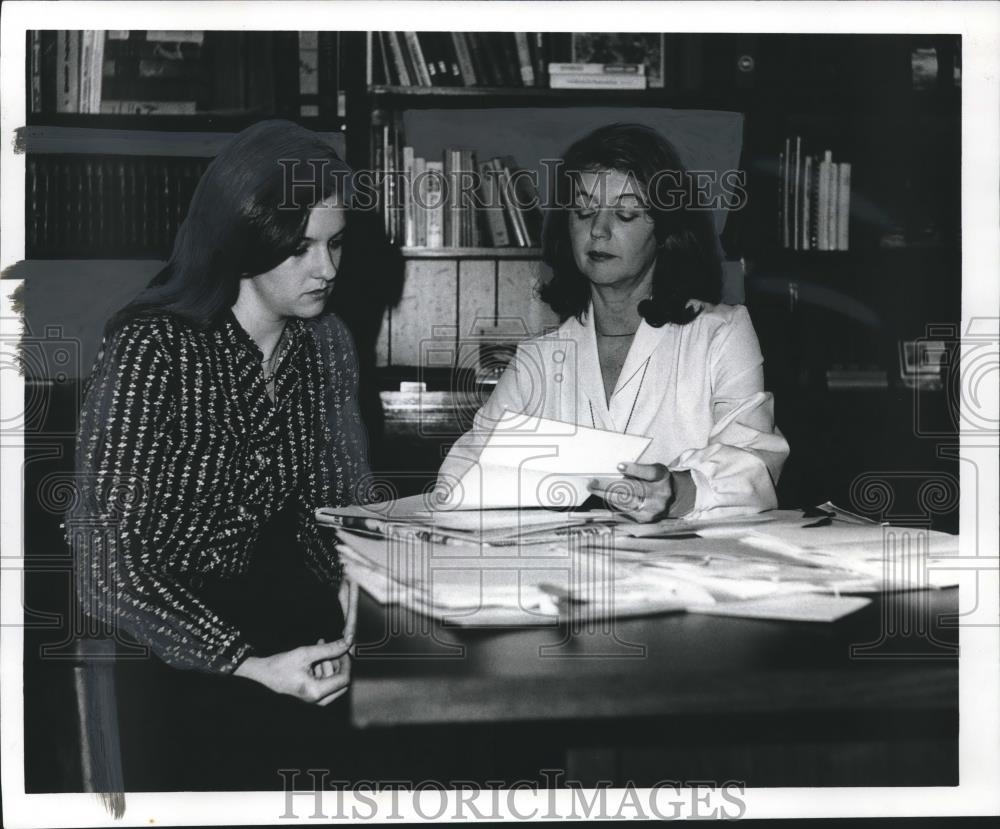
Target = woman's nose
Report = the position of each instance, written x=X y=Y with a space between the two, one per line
x=600 y=225
x=328 y=266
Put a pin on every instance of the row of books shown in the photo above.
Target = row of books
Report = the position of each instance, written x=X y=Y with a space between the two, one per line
x=289 y=74
x=814 y=203
x=455 y=201
x=112 y=207
x=499 y=59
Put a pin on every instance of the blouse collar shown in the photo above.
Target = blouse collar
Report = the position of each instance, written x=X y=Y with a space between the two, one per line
x=235 y=337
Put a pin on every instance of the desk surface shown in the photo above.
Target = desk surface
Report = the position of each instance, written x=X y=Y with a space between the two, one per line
x=411 y=671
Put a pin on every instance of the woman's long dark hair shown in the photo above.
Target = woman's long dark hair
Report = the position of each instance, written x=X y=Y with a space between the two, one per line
x=688 y=265
x=247 y=215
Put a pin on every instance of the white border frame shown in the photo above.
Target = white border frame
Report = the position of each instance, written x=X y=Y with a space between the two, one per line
x=977 y=22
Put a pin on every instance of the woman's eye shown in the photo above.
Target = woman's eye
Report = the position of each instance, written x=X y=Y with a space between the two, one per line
x=335 y=244
x=584 y=214
x=626 y=217
x=301 y=251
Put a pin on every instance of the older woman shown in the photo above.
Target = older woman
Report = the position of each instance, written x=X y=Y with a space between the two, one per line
x=645 y=346
x=223 y=402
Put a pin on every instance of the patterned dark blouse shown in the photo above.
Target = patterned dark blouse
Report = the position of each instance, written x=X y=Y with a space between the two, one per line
x=182 y=458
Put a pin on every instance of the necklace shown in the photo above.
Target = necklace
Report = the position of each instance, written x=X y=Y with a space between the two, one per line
x=270 y=363
x=627 y=334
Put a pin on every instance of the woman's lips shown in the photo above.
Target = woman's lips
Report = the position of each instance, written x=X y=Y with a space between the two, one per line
x=599 y=256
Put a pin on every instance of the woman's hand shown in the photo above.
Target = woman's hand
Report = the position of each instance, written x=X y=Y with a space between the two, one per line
x=648 y=492
x=295 y=672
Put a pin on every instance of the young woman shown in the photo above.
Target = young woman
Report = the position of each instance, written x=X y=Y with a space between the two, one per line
x=220 y=413
x=645 y=348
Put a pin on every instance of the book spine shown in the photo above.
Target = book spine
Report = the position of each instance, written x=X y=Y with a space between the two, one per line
x=448 y=225
x=36 y=71
x=597 y=81
x=472 y=213
x=481 y=58
x=389 y=76
x=465 y=64
x=33 y=214
x=527 y=204
x=435 y=204
x=507 y=56
x=537 y=44
x=823 y=217
x=844 y=207
x=406 y=182
x=831 y=233
x=814 y=209
x=86 y=58
x=807 y=200
x=492 y=207
x=420 y=201
x=509 y=202
x=467 y=68
x=68 y=63
x=398 y=62
x=524 y=58
x=398 y=140
x=781 y=198
x=496 y=60
x=421 y=70
x=796 y=191
x=452 y=69
x=785 y=225
x=597 y=69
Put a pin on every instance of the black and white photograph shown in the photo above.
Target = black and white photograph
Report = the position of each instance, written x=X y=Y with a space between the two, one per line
x=504 y=418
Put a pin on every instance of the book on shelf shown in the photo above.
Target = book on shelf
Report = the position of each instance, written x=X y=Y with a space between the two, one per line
x=435 y=204
x=451 y=202
x=106 y=207
x=622 y=48
x=585 y=81
x=141 y=72
x=463 y=54
x=470 y=59
x=814 y=199
x=524 y=58
x=493 y=209
x=597 y=69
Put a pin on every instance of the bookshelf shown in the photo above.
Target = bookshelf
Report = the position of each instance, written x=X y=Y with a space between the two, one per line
x=858 y=95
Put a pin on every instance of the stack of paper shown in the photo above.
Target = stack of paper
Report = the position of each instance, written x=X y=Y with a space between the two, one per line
x=534 y=566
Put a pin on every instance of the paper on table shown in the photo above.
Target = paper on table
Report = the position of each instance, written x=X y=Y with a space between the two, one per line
x=798 y=607
x=535 y=462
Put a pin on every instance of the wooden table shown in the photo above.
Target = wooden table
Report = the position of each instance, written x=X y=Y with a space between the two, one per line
x=869 y=700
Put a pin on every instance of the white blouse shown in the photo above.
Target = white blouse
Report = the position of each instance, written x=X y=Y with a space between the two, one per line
x=696 y=390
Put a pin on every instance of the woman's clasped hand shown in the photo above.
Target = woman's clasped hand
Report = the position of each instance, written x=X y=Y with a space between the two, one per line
x=319 y=673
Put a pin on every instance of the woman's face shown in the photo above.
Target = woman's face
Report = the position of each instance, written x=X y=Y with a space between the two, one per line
x=301 y=285
x=610 y=229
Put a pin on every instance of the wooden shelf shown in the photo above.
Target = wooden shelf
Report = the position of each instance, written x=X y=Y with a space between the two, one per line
x=199 y=122
x=82 y=140
x=471 y=253
x=416 y=97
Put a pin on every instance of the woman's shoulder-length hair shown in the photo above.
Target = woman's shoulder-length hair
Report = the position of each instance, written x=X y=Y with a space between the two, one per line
x=248 y=214
x=688 y=264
